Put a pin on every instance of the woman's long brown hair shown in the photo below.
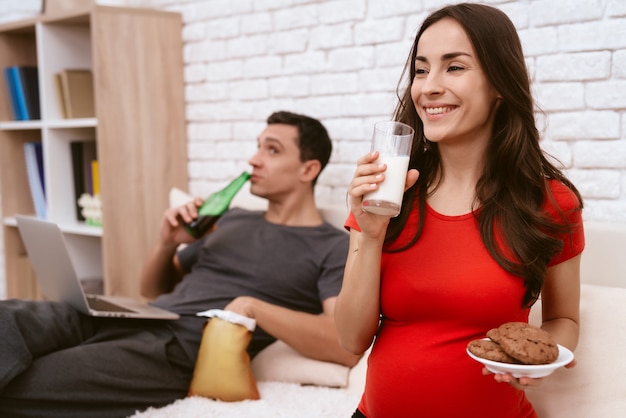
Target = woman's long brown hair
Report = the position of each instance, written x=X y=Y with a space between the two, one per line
x=513 y=185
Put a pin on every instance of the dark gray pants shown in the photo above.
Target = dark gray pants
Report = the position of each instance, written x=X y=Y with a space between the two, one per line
x=56 y=362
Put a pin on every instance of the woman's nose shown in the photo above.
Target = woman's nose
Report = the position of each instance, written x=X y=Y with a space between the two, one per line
x=432 y=84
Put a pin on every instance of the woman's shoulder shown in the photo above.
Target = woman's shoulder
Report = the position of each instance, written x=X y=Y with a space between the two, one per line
x=563 y=198
x=565 y=208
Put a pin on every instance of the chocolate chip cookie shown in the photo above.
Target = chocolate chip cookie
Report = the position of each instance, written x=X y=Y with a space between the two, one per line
x=528 y=344
x=490 y=350
x=516 y=342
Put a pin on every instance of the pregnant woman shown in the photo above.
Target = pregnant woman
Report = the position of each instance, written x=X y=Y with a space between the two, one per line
x=487 y=225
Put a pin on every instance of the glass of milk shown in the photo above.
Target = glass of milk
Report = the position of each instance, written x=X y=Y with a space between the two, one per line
x=393 y=142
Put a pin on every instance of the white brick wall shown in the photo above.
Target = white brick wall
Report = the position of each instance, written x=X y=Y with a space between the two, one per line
x=340 y=60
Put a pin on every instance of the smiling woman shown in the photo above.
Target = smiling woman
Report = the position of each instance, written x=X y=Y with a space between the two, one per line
x=487 y=224
x=453 y=97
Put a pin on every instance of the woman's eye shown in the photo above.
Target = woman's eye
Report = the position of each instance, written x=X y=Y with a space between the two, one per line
x=420 y=71
x=455 y=68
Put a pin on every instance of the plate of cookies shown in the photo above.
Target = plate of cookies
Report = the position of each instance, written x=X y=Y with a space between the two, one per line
x=521 y=349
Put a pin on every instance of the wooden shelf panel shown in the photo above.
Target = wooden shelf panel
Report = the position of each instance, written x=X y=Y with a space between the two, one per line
x=139 y=131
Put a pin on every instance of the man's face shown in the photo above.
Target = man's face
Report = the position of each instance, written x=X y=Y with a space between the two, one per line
x=276 y=166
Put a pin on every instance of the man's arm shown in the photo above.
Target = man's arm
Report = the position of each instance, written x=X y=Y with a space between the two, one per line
x=312 y=335
x=162 y=271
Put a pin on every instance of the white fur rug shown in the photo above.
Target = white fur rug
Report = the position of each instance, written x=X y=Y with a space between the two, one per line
x=278 y=400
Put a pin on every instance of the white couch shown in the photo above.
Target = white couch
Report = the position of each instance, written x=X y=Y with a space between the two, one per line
x=596 y=387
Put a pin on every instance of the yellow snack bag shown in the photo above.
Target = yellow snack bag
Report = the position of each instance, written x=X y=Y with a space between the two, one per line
x=222 y=369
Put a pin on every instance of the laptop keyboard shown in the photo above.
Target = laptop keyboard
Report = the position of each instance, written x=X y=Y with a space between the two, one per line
x=105 y=306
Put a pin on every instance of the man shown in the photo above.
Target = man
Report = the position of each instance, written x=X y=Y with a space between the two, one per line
x=282 y=267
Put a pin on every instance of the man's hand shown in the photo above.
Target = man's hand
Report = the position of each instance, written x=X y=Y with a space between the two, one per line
x=313 y=335
x=242 y=305
x=172 y=231
x=161 y=270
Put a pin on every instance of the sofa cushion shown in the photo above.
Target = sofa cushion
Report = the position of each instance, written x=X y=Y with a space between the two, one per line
x=281 y=363
x=595 y=387
x=603 y=260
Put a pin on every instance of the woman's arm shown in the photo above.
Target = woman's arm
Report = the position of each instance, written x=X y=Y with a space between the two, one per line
x=357 y=311
x=560 y=302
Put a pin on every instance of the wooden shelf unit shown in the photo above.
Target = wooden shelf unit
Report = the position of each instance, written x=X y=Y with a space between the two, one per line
x=137 y=63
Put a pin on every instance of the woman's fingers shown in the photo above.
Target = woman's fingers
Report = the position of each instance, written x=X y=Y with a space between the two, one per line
x=367 y=176
x=518 y=383
x=411 y=177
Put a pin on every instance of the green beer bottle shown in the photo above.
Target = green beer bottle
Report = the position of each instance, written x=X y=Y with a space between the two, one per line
x=214 y=206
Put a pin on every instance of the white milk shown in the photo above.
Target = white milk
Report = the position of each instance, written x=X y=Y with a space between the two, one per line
x=387 y=200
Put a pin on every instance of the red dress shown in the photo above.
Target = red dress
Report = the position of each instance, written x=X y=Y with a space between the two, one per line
x=436 y=296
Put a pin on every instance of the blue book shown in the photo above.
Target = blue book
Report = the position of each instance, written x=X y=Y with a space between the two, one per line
x=20 y=94
x=8 y=76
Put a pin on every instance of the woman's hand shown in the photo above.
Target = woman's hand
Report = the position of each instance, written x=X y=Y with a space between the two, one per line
x=367 y=178
x=521 y=383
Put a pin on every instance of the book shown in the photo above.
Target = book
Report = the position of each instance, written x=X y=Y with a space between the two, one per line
x=76 y=91
x=30 y=84
x=39 y=157
x=76 y=149
x=58 y=86
x=83 y=153
x=8 y=77
x=95 y=178
x=17 y=94
x=35 y=176
x=89 y=155
x=23 y=87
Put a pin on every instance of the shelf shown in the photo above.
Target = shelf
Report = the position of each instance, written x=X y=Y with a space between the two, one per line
x=20 y=125
x=138 y=130
x=53 y=124
x=72 y=123
x=79 y=228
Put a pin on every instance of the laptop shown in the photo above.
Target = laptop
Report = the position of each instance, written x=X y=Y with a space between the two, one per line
x=55 y=272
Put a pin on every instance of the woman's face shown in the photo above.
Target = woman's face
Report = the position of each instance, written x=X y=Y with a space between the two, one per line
x=451 y=93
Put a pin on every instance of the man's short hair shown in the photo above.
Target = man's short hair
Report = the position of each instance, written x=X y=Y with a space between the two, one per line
x=313 y=139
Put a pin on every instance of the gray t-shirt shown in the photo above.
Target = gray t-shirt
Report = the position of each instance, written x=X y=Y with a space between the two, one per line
x=294 y=267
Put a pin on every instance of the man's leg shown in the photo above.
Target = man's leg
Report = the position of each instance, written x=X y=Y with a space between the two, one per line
x=31 y=329
x=126 y=366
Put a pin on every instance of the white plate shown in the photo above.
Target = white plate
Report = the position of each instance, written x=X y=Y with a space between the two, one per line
x=527 y=370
